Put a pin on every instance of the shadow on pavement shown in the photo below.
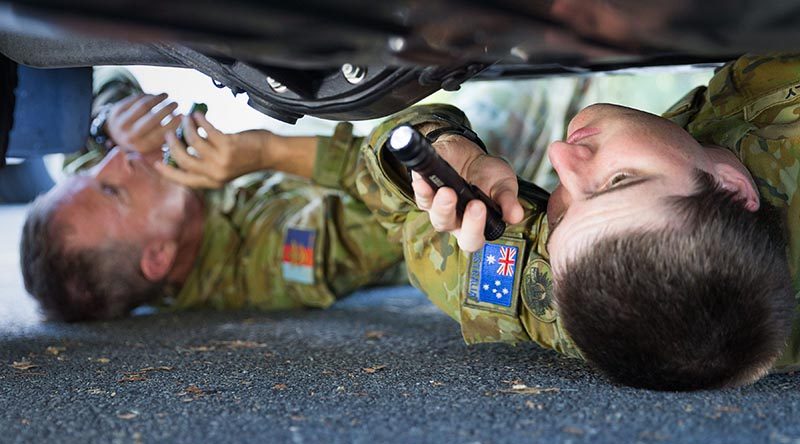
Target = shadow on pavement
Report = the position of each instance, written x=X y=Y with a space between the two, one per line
x=384 y=366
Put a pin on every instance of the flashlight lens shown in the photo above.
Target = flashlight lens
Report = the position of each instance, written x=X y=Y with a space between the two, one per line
x=401 y=137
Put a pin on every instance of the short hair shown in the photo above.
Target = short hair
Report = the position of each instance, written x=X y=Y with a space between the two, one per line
x=706 y=304
x=73 y=284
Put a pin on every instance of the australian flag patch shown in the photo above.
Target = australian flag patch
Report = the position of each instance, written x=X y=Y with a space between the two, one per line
x=492 y=277
x=298 y=255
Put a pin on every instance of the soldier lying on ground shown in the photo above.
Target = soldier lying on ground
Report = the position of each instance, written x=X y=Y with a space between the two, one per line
x=669 y=255
x=117 y=235
x=648 y=262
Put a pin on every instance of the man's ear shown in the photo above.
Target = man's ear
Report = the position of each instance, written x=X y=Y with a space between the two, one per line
x=157 y=259
x=739 y=182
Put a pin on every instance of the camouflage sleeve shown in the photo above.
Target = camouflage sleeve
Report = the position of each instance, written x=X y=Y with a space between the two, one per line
x=338 y=160
x=361 y=168
x=339 y=163
x=433 y=260
x=381 y=181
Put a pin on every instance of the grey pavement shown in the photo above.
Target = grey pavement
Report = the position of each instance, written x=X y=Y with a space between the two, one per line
x=381 y=366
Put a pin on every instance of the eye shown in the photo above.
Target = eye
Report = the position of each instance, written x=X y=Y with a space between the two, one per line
x=618 y=178
x=108 y=189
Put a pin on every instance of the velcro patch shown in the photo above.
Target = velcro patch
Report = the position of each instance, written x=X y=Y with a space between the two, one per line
x=493 y=277
x=780 y=97
x=298 y=255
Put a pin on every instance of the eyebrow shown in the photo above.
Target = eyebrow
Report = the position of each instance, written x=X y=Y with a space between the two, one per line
x=607 y=191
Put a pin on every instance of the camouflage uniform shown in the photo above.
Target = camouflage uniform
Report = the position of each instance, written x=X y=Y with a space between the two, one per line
x=271 y=240
x=501 y=293
x=752 y=107
x=274 y=241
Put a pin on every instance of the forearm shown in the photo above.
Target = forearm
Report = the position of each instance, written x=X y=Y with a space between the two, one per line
x=384 y=184
x=294 y=155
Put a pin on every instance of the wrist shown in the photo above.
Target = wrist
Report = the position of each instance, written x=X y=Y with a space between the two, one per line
x=459 y=151
x=456 y=130
x=271 y=150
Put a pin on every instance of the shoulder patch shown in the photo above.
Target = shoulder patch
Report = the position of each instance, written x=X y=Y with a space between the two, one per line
x=494 y=276
x=298 y=255
x=537 y=290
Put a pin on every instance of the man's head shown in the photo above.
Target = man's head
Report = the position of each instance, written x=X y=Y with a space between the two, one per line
x=670 y=273
x=103 y=242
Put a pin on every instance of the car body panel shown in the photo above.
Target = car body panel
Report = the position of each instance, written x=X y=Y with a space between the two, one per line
x=291 y=57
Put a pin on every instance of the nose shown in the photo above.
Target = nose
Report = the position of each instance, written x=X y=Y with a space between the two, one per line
x=572 y=163
x=115 y=160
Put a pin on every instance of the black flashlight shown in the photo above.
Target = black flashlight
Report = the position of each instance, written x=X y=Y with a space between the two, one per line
x=180 y=132
x=416 y=153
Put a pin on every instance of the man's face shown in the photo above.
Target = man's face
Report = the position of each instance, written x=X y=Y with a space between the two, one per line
x=615 y=169
x=122 y=198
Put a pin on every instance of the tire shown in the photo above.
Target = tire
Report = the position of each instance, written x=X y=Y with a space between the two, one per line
x=22 y=182
x=8 y=82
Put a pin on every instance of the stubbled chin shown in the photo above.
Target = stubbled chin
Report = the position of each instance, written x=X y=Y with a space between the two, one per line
x=172 y=206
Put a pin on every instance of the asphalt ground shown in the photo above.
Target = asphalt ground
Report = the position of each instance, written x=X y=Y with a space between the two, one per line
x=381 y=366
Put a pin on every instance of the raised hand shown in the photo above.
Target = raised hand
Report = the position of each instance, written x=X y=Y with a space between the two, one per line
x=218 y=157
x=491 y=174
x=133 y=124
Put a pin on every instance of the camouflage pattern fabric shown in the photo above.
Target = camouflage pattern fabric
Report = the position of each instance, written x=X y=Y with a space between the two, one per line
x=275 y=241
x=752 y=107
x=450 y=277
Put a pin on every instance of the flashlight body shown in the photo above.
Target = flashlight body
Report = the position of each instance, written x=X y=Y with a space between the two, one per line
x=415 y=152
x=166 y=156
x=196 y=108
